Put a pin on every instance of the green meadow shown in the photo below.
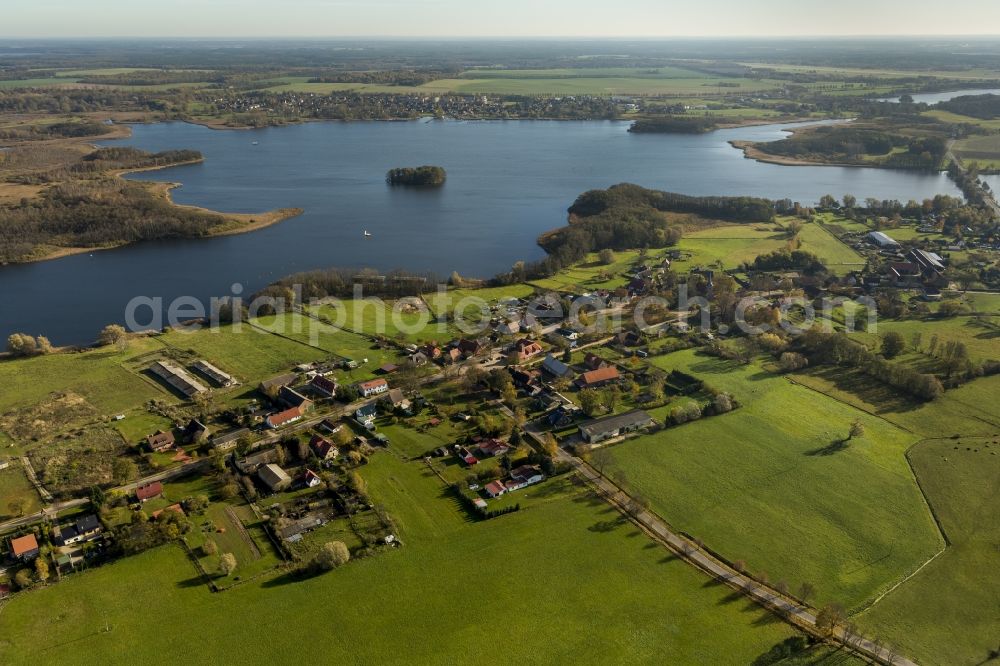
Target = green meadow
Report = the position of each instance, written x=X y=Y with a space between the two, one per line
x=948 y=612
x=775 y=484
x=565 y=579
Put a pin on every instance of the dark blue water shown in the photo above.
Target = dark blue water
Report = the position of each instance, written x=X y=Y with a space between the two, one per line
x=507 y=182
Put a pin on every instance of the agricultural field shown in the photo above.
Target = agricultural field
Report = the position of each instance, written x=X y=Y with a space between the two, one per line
x=948 y=613
x=370 y=607
x=777 y=483
x=982 y=150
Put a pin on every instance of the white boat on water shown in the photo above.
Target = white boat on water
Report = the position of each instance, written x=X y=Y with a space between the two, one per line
x=367 y=233
x=256 y=143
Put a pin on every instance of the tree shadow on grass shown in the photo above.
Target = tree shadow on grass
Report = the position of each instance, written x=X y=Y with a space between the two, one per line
x=605 y=526
x=834 y=447
x=289 y=578
x=194 y=581
x=730 y=598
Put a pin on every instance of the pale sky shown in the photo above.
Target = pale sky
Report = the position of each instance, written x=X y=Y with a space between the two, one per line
x=501 y=18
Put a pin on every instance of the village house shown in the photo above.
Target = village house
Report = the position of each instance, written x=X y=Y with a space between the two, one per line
x=227 y=441
x=160 y=441
x=292 y=398
x=149 y=491
x=431 y=351
x=294 y=530
x=323 y=448
x=466 y=456
x=274 y=477
x=600 y=377
x=419 y=358
x=283 y=418
x=526 y=349
x=4 y=463
x=373 y=387
x=251 y=463
x=365 y=415
x=495 y=489
x=330 y=426
x=556 y=368
x=85 y=528
x=608 y=427
x=24 y=548
x=195 y=432
x=388 y=368
x=324 y=386
x=471 y=348
x=560 y=417
x=311 y=479
x=526 y=379
x=511 y=327
x=395 y=399
x=593 y=362
x=524 y=476
x=491 y=448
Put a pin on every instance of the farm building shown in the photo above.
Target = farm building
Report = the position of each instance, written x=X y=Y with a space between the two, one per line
x=882 y=240
x=599 y=377
x=274 y=477
x=160 y=440
x=613 y=426
x=178 y=378
x=218 y=376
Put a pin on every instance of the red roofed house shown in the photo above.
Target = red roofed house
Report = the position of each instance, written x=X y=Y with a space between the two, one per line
x=525 y=349
x=373 y=387
x=149 y=491
x=598 y=377
x=492 y=447
x=160 y=441
x=495 y=488
x=24 y=548
x=283 y=418
x=323 y=448
x=466 y=456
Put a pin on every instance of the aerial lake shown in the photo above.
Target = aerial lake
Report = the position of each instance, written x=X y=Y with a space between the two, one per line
x=934 y=98
x=507 y=183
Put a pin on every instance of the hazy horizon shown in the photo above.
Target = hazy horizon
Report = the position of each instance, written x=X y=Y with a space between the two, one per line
x=454 y=19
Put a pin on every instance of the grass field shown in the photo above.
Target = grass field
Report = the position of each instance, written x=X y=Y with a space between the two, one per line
x=445 y=303
x=525 y=586
x=14 y=486
x=774 y=484
x=948 y=613
x=591 y=274
x=388 y=319
x=248 y=352
x=965 y=411
x=949 y=117
x=979 y=334
x=600 y=81
x=98 y=375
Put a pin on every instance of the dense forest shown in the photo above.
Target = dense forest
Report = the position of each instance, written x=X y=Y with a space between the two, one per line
x=853 y=144
x=96 y=213
x=341 y=282
x=985 y=107
x=398 y=77
x=630 y=216
x=673 y=125
x=422 y=176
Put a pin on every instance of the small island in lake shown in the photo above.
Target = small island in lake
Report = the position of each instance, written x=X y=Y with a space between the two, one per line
x=673 y=125
x=422 y=176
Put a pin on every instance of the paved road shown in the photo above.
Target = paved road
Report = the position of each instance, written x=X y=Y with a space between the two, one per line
x=656 y=527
